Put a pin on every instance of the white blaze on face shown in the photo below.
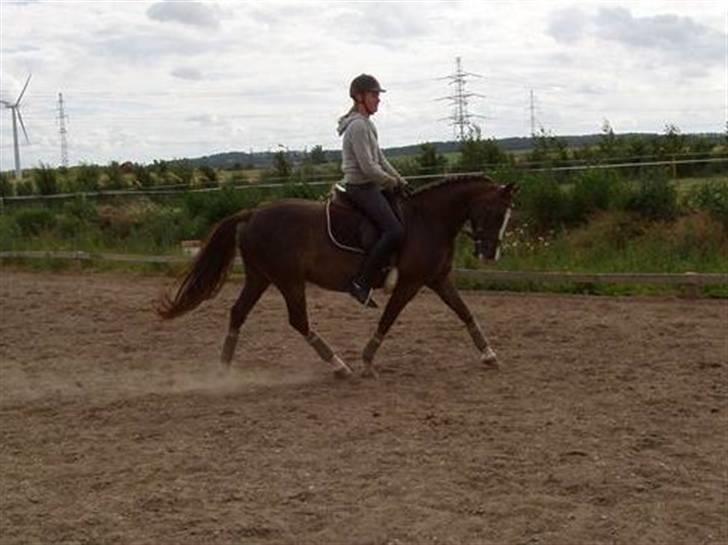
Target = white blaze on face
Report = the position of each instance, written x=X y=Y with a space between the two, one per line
x=502 y=231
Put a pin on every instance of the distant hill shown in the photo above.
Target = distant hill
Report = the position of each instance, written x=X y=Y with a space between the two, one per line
x=240 y=159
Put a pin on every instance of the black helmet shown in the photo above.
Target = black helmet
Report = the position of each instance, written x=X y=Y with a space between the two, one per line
x=364 y=83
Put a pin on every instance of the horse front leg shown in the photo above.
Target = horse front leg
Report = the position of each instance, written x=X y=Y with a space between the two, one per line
x=450 y=296
x=402 y=295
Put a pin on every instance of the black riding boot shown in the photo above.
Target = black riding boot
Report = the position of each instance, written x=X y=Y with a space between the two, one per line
x=375 y=260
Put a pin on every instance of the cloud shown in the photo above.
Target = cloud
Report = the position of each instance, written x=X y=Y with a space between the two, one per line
x=188 y=13
x=678 y=39
x=147 y=45
x=204 y=119
x=568 y=25
x=363 y=23
x=187 y=73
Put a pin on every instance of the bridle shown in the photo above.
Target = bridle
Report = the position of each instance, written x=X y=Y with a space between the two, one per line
x=481 y=237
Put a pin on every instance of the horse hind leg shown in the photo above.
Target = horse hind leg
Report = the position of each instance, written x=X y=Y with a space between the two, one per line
x=255 y=285
x=295 y=298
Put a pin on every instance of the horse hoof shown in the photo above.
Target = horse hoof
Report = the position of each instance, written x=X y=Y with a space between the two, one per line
x=369 y=372
x=489 y=358
x=343 y=374
x=342 y=370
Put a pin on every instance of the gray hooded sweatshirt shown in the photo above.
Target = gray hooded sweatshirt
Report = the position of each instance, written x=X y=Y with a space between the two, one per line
x=361 y=158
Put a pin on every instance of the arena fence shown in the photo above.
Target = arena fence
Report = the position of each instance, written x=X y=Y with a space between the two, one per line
x=476 y=275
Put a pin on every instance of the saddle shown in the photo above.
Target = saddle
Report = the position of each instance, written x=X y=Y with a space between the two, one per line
x=348 y=228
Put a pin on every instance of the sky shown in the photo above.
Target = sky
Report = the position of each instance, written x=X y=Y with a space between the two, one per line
x=146 y=80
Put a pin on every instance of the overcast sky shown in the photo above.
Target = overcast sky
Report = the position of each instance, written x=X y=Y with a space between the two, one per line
x=159 y=80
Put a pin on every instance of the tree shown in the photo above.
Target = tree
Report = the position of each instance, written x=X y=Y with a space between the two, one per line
x=673 y=142
x=429 y=159
x=318 y=155
x=6 y=186
x=209 y=172
x=281 y=165
x=87 y=177
x=548 y=148
x=142 y=175
x=476 y=154
x=115 y=177
x=184 y=170
x=608 y=143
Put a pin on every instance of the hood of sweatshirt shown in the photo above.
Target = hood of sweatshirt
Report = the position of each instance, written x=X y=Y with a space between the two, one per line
x=346 y=120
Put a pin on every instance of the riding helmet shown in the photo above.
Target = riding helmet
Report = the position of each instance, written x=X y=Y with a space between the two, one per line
x=364 y=83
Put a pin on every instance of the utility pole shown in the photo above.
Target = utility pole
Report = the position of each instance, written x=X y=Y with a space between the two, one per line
x=460 y=117
x=62 y=124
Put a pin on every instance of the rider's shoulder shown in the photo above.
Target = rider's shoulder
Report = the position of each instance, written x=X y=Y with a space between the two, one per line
x=359 y=124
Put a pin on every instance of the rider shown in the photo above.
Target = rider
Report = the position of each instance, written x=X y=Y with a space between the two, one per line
x=367 y=175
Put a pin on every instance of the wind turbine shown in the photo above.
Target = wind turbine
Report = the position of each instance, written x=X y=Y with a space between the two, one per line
x=15 y=108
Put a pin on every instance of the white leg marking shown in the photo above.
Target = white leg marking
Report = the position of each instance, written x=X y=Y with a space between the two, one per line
x=341 y=370
x=501 y=232
x=488 y=357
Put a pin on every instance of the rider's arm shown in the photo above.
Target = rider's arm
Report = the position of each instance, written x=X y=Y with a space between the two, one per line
x=389 y=168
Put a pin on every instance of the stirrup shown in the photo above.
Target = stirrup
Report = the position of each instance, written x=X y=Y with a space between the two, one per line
x=363 y=295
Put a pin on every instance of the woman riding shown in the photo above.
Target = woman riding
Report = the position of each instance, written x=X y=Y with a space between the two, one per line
x=370 y=181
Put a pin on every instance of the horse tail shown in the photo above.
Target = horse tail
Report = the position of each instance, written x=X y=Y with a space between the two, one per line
x=207 y=274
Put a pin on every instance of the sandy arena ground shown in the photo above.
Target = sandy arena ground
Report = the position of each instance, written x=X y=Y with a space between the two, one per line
x=608 y=424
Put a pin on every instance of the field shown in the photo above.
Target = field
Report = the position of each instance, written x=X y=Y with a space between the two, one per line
x=607 y=423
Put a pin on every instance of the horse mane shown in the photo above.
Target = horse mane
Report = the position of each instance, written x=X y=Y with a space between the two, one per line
x=454 y=179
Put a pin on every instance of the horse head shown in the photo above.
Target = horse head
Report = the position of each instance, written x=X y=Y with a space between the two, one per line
x=488 y=215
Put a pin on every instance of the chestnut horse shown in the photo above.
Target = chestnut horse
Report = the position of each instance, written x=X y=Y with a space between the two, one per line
x=286 y=243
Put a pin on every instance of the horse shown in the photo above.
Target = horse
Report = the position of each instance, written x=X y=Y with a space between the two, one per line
x=286 y=243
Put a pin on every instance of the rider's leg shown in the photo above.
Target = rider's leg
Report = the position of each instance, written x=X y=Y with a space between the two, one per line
x=370 y=200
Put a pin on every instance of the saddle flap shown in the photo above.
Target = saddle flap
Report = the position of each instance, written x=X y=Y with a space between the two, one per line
x=348 y=227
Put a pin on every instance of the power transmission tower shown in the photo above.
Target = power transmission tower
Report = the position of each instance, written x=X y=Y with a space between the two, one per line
x=62 y=129
x=533 y=116
x=460 y=118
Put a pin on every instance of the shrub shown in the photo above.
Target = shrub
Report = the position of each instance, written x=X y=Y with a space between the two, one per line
x=81 y=209
x=143 y=175
x=543 y=203
x=6 y=186
x=209 y=208
x=165 y=227
x=655 y=199
x=32 y=221
x=115 y=179
x=45 y=180
x=87 y=177
x=713 y=198
x=9 y=232
x=208 y=172
x=24 y=188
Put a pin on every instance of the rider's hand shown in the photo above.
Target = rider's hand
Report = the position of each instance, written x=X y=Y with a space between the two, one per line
x=404 y=188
